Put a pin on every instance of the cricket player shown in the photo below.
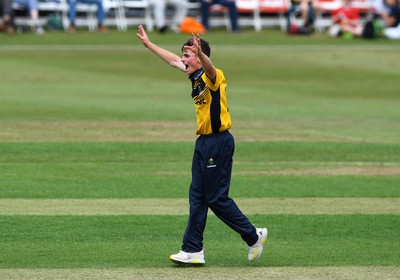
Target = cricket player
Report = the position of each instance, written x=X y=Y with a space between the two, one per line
x=212 y=159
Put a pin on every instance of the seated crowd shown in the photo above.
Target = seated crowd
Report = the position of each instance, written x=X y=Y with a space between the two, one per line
x=383 y=16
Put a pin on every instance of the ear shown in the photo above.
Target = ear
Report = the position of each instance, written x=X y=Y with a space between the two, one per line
x=199 y=62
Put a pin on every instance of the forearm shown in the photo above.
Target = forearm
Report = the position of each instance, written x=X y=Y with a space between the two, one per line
x=207 y=66
x=388 y=20
x=169 y=57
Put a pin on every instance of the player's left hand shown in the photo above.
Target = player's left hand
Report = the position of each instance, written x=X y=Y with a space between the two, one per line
x=196 y=47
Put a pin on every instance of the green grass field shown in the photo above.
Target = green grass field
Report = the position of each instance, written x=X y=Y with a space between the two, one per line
x=97 y=135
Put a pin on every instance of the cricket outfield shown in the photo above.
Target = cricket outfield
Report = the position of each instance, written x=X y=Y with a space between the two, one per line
x=97 y=135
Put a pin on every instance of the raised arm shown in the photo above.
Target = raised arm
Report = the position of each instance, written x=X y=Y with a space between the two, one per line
x=206 y=62
x=169 y=57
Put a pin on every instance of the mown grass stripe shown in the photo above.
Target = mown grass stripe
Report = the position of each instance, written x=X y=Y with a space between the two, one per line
x=345 y=272
x=263 y=48
x=148 y=240
x=177 y=131
x=179 y=206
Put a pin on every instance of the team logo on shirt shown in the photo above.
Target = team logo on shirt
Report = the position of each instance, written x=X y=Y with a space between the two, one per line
x=201 y=101
x=198 y=88
x=211 y=163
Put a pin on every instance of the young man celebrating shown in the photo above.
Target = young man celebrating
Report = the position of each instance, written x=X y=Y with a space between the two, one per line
x=212 y=159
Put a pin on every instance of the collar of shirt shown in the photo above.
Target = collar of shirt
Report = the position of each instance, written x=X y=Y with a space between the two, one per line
x=194 y=76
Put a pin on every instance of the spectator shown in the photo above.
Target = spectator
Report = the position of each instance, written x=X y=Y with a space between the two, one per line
x=392 y=20
x=378 y=7
x=230 y=4
x=180 y=11
x=101 y=14
x=7 y=16
x=346 y=21
x=306 y=8
x=32 y=6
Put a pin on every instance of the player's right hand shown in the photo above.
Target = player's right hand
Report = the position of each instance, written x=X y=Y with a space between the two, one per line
x=142 y=35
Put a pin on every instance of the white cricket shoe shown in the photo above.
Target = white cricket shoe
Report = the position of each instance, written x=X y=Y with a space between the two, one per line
x=188 y=258
x=255 y=251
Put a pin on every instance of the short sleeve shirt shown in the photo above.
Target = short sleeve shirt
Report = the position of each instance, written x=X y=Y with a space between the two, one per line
x=347 y=13
x=212 y=111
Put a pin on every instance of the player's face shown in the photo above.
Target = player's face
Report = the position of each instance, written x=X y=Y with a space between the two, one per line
x=191 y=62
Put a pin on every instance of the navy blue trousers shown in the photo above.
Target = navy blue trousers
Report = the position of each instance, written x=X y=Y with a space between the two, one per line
x=232 y=12
x=211 y=176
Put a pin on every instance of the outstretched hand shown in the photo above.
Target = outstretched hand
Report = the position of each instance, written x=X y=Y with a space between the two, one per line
x=206 y=63
x=196 y=47
x=142 y=35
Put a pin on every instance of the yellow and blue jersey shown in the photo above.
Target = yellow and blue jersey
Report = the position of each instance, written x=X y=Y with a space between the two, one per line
x=210 y=100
